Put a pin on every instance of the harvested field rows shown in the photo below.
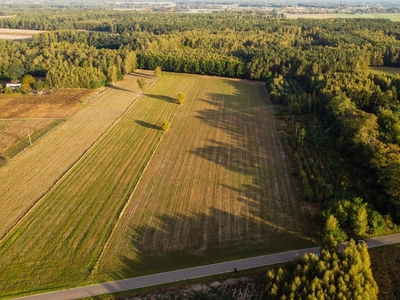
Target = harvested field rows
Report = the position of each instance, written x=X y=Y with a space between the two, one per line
x=62 y=238
x=17 y=134
x=218 y=187
x=25 y=118
x=29 y=175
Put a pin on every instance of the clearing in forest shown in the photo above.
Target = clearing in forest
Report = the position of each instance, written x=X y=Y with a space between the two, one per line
x=17 y=34
x=384 y=70
x=219 y=187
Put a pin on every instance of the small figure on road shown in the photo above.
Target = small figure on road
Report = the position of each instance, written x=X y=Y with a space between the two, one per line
x=235 y=270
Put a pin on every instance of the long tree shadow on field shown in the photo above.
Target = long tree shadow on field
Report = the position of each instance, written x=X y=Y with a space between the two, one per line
x=214 y=235
x=162 y=97
x=115 y=87
x=232 y=157
x=142 y=74
x=182 y=241
x=254 y=151
x=147 y=124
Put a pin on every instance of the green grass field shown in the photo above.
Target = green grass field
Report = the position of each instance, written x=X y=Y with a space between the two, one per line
x=216 y=186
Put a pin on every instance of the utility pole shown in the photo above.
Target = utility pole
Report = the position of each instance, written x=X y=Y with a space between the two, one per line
x=29 y=135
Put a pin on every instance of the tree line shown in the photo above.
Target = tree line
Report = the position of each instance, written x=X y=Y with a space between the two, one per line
x=316 y=70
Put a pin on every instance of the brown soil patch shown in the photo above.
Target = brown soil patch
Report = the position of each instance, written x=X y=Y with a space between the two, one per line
x=58 y=104
x=25 y=118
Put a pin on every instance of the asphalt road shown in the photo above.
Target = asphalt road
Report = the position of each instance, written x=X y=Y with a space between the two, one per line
x=202 y=271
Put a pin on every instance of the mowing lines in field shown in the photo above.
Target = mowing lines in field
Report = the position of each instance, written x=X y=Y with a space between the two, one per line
x=182 y=86
x=219 y=177
x=29 y=175
x=62 y=238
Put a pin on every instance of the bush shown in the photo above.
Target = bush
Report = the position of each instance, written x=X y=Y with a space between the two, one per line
x=181 y=97
x=8 y=90
x=165 y=126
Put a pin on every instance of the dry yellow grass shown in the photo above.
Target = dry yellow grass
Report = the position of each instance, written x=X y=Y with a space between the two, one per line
x=17 y=34
x=214 y=187
x=29 y=175
x=218 y=186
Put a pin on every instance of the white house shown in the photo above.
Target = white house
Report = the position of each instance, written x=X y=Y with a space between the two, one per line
x=13 y=85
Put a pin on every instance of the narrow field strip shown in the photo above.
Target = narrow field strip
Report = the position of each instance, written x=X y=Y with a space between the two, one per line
x=30 y=174
x=146 y=164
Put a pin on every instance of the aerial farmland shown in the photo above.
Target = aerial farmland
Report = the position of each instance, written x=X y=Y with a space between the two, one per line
x=127 y=194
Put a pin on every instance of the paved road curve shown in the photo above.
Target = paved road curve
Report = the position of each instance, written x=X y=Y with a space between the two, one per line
x=202 y=271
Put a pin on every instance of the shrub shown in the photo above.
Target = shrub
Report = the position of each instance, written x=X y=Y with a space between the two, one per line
x=165 y=126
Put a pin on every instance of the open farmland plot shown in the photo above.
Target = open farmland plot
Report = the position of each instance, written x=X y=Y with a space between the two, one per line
x=17 y=34
x=219 y=187
x=29 y=175
x=390 y=16
x=384 y=70
x=24 y=118
x=60 y=240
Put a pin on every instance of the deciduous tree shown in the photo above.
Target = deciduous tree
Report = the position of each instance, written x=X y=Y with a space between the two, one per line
x=142 y=84
x=181 y=97
x=157 y=72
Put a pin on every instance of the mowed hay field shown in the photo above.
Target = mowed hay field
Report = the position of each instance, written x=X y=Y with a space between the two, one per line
x=17 y=34
x=30 y=174
x=216 y=186
x=60 y=240
x=25 y=118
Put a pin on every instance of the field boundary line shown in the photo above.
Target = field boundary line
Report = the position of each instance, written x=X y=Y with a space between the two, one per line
x=131 y=193
x=37 y=139
x=100 y=93
x=65 y=174
x=24 y=119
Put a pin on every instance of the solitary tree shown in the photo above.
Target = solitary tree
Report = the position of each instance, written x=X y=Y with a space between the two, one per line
x=157 y=72
x=39 y=85
x=181 y=97
x=165 y=126
x=142 y=84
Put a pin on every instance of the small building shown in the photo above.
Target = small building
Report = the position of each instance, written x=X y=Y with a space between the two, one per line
x=13 y=85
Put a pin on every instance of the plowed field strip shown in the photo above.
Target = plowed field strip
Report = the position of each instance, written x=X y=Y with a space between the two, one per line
x=29 y=175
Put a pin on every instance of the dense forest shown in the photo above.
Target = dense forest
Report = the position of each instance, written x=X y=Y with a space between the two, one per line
x=328 y=275
x=343 y=121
